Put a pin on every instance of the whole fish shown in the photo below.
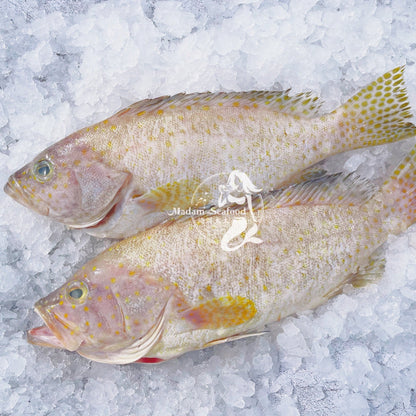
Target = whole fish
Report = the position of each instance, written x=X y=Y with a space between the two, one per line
x=170 y=289
x=129 y=172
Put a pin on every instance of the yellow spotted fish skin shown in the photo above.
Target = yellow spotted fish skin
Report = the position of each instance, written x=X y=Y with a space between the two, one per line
x=268 y=135
x=158 y=151
x=175 y=286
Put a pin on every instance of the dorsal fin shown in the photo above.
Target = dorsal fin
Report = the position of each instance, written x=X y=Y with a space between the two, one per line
x=304 y=105
x=335 y=189
x=339 y=188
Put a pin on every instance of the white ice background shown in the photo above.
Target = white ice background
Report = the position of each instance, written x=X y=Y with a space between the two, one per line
x=67 y=64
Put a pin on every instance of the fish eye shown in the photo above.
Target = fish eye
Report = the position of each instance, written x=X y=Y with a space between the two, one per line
x=76 y=292
x=43 y=170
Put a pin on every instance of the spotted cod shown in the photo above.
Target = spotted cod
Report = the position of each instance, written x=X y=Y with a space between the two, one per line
x=173 y=289
x=133 y=170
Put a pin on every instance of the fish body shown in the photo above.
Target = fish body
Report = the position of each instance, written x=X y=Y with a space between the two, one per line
x=173 y=289
x=127 y=173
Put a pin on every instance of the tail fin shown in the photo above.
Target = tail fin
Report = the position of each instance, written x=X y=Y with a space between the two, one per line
x=399 y=191
x=377 y=114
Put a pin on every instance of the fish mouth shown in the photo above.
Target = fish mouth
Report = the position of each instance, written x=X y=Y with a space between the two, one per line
x=44 y=337
x=56 y=333
x=15 y=191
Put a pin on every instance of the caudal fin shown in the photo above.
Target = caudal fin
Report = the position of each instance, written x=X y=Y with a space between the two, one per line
x=399 y=191
x=377 y=114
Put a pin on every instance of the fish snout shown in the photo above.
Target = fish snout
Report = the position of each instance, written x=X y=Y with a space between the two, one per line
x=15 y=191
x=12 y=188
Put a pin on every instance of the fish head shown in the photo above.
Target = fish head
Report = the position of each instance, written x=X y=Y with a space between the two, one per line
x=105 y=312
x=79 y=313
x=69 y=183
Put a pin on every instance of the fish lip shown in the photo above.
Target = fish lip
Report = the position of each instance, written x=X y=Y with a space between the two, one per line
x=15 y=191
x=44 y=337
x=57 y=328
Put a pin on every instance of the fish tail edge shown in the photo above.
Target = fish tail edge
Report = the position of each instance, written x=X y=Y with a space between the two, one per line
x=399 y=191
x=379 y=113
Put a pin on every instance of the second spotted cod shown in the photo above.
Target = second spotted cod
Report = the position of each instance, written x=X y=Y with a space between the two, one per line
x=172 y=289
x=129 y=172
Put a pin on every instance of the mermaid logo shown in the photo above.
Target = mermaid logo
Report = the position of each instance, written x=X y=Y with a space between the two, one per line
x=239 y=183
x=235 y=201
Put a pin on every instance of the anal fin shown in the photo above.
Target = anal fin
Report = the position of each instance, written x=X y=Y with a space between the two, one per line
x=367 y=274
x=234 y=338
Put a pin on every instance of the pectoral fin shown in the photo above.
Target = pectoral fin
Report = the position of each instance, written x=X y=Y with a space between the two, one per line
x=181 y=194
x=224 y=312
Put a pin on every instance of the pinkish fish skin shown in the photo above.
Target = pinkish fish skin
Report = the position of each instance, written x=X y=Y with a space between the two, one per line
x=125 y=174
x=170 y=290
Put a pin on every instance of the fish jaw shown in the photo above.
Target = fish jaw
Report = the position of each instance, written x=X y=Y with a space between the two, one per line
x=56 y=333
x=15 y=191
x=44 y=337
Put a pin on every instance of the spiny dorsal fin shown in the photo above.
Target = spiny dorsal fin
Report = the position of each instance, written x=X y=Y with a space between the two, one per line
x=335 y=189
x=338 y=189
x=304 y=105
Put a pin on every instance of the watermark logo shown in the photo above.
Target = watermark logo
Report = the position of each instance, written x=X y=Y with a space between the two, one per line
x=239 y=183
x=237 y=191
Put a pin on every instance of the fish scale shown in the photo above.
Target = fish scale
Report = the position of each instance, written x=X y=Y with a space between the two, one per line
x=177 y=290
x=156 y=153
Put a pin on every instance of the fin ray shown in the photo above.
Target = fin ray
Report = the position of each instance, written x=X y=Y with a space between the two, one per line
x=379 y=113
x=399 y=191
x=178 y=194
x=234 y=338
x=367 y=274
x=304 y=104
x=221 y=312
